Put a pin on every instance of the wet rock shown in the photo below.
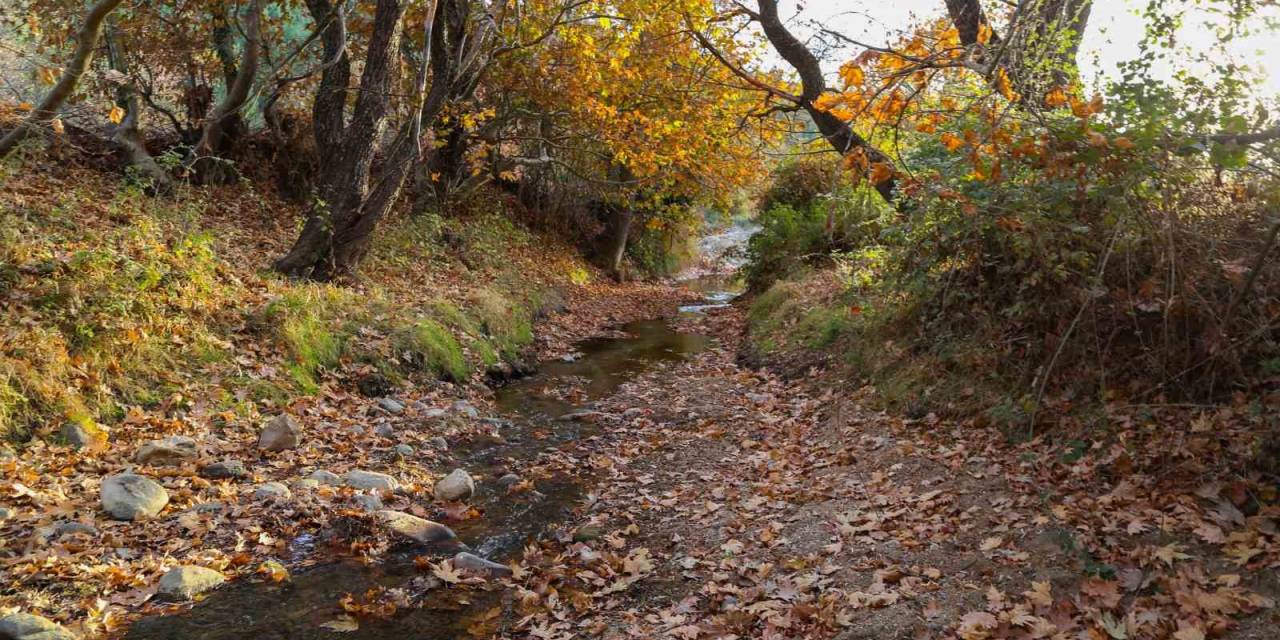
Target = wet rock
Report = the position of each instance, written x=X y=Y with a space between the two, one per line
x=466 y=408
x=186 y=582
x=581 y=415
x=440 y=443
x=367 y=502
x=83 y=435
x=390 y=405
x=365 y=480
x=167 y=451
x=570 y=357
x=272 y=491
x=498 y=422
x=402 y=450
x=509 y=480
x=24 y=626
x=499 y=372
x=415 y=528
x=475 y=564
x=224 y=469
x=281 y=433
x=325 y=477
x=455 y=487
x=128 y=496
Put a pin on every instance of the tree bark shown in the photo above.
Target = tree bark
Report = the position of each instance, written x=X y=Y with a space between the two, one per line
x=837 y=132
x=87 y=38
x=203 y=161
x=128 y=134
x=1043 y=45
x=352 y=200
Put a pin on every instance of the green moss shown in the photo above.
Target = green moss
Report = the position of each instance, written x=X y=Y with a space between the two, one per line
x=508 y=325
x=437 y=350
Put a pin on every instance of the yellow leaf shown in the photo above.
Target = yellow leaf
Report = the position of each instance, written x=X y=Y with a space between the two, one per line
x=56 y=125
x=852 y=74
x=1123 y=143
x=984 y=33
x=1096 y=139
x=951 y=141
x=1056 y=98
x=116 y=116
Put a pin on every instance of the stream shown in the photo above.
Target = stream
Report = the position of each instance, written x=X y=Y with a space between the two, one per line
x=298 y=608
x=530 y=424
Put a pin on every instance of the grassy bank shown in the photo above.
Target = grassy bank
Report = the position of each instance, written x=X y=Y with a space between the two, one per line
x=114 y=299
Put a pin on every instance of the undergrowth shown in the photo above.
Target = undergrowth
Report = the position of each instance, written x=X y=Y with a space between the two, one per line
x=116 y=299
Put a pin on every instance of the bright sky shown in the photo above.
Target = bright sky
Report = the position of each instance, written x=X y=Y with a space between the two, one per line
x=1112 y=37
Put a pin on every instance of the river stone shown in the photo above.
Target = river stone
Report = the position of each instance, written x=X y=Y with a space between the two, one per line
x=390 y=405
x=367 y=502
x=272 y=491
x=24 y=626
x=455 y=487
x=475 y=564
x=224 y=469
x=365 y=480
x=86 y=435
x=466 y=408
x=402 y=450
x=305 y=484
x=509 y=480
x=281 y=433
x=68 y=529
x=433 y=413
x=128 y=496
x=167 y=451
x=440 y=443
x=325 y=477
x=185 y=582
x=415 y=528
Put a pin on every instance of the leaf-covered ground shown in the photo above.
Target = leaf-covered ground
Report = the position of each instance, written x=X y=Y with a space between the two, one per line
x=734 y=504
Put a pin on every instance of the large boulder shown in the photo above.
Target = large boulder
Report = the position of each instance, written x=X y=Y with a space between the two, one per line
x=188 y=581
x=455 y=487
x=128 y=496
x=167 y=451
x=415 y=528
x=24 y=626
x=281 y=433
x=365 y=480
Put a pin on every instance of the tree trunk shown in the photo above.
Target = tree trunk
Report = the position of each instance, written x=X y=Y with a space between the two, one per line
x=352 y=200
x=203 y=161
x=622 y=232
x=87 y=38
x=1042 y=49
x=128 y=134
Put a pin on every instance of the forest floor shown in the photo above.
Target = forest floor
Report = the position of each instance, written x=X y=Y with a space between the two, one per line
x=734 y=504
x=724 y=502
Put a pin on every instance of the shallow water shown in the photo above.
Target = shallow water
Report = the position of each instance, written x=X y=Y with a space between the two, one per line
x=533 y=405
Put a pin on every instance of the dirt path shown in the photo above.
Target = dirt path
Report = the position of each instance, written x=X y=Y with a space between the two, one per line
x=733 y=504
